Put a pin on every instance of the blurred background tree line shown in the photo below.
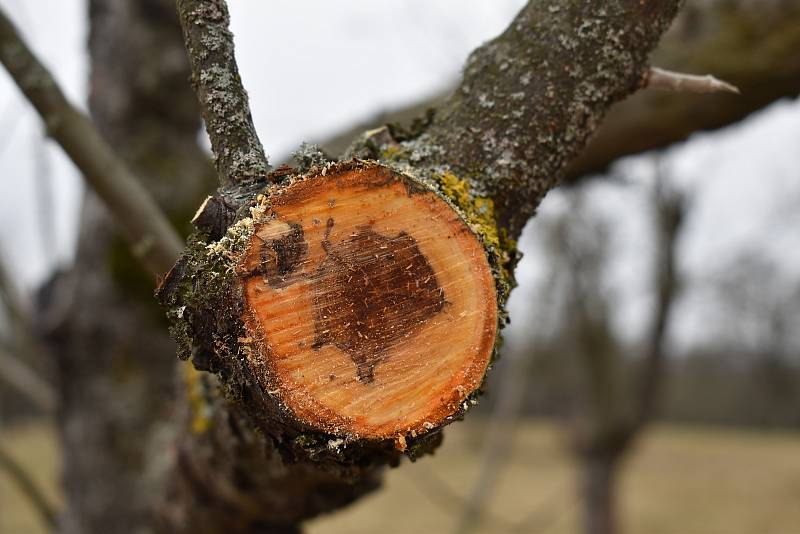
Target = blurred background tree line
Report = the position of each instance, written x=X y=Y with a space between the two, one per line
x=615 y=324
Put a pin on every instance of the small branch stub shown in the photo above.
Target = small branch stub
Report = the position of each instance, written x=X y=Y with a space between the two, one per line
x=667 y=80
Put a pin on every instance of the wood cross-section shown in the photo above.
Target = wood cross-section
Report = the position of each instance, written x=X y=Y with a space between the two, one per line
x=372 y=303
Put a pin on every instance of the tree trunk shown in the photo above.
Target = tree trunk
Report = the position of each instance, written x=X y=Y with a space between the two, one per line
x=115 y=362
x=599 y=474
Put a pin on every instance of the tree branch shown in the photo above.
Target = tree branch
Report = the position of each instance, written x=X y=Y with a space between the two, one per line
x=670 y=215
x=152 y=237
x=238 y=153
x=20 y=477
x=29 y=384
x=21 y=341
x=531 y=97
x=751 y=44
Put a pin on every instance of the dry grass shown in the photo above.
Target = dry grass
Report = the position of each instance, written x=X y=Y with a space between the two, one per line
x=34 y=447
x=681 y=480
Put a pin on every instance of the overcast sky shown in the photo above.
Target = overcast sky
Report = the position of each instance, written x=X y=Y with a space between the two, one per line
x=315 y=67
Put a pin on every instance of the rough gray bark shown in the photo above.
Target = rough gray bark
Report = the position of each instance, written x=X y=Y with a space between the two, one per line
x=752 y=44
x=531 y=97
x=749 y=43
x=229 y=477
x=238 y=153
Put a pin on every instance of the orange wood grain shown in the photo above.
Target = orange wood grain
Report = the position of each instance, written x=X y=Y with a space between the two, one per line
x=363 y=226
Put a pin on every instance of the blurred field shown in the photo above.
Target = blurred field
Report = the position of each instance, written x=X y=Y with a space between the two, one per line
x=681 y=480
x=34 y=447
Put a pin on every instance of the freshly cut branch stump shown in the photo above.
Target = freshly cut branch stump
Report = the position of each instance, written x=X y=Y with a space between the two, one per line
x=369 y=304
x=350 y=312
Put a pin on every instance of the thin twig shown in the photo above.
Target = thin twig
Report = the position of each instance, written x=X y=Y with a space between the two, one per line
x=670 y=209
x=21 y=342
x=27 y=382
x=499 y=440
x=441 y=494
x=152 y=237
x=238 y=153
x=15 y=302
x=45 y=207
x=20 y=477
x=668 y=80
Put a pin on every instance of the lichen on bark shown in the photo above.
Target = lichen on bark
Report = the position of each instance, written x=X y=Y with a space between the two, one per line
x=530 y=98
x=238 y=153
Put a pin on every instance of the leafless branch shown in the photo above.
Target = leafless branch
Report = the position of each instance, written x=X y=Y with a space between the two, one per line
x=439 y=492
x=760 y=42
x=670 y=208
x=488 y=134
x=20 y=477
x=238 y=153
x=668 y=80
x=21 y=341
x=15 y=303
x=495 y=126
x=26 y=382
x=499 y=440
x=152 y=237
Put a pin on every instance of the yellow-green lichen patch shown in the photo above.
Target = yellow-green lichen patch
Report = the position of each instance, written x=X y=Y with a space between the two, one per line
x=480 y=215
x=197 y=396
x=479 y=211
x=394 y=153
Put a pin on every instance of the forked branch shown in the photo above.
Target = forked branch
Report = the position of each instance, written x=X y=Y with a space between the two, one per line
x=348 y=289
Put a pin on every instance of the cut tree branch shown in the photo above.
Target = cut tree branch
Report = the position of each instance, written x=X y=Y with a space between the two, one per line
x=352 y=311
x=152 y=238
x=238 y=153
x=667 y=80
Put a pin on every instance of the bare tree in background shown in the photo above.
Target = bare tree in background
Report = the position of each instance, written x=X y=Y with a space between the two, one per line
x=527 y=104
x=608 y=396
